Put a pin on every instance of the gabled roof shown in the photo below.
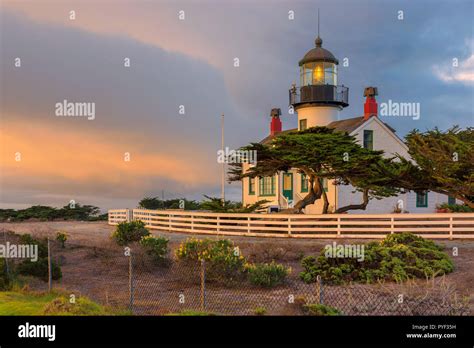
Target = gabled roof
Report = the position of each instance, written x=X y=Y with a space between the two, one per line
x=269 y=139
x=348 y=125
x=351 y=124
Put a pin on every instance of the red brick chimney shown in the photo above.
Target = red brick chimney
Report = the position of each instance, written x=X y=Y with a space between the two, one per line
x=275 y=124
x=370 y=106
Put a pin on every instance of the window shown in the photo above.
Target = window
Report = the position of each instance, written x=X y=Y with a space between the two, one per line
x=267 y=186
x=330 y=74
x=451 y=200
x=318 y=73
x=303 y=124
x=369 y=139
x=306 y=76
x=422 y=199
x=304 y=183
x=325 y=185
x=251 y=186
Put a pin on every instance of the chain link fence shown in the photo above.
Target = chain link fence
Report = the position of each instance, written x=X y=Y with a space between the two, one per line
x=129 y=278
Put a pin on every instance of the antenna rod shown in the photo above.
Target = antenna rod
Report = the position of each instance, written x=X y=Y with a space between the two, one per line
x=318 y=21
x=223 y=163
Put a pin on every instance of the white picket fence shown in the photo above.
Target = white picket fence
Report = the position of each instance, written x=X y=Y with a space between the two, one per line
x=456 y=225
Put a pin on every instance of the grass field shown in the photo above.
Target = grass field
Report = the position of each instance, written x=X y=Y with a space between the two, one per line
x=54 y=303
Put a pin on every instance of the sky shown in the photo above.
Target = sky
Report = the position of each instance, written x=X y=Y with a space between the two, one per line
x=139 y=144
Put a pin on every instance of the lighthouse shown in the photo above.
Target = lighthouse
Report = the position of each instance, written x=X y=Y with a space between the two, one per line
x=318 y=99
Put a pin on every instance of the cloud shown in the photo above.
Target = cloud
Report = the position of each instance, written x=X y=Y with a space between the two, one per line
x=190 y=63
x=463 y=73
x=136 y=112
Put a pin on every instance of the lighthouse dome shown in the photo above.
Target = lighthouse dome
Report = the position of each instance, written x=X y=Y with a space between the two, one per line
x=318 y=54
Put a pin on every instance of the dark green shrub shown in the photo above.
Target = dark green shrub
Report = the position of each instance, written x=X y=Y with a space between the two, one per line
x=223 y=260
x=41 y=243
x=320 y=310
x=39 y=269
x=267 y=274
x=45 y=213
x=456 y=208
x=4 y=278
x=157 y=247
x=396 y=258
x=127 y=232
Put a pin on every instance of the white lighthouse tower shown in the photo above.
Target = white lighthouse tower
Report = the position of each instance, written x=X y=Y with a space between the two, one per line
x=319 y=99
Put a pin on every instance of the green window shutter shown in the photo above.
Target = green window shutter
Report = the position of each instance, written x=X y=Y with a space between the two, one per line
x=369 y=139
x=422 y=200
x=251 y=186
x=304 y=183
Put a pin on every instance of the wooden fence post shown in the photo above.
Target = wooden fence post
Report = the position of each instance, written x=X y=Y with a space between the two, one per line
x=50 y=274
x=218 y=224
x=7 y=267
x=203 y=285
x=338 y=227
x=321 y=291
x=130 y=282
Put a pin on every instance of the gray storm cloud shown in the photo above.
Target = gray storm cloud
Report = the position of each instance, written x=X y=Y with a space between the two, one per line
x=139 y=105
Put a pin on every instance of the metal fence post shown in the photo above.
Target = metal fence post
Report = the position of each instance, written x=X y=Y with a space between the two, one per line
x=50 y=275
x=319 y=281
x=203 y=285
x=130 y=282
x=7 y=268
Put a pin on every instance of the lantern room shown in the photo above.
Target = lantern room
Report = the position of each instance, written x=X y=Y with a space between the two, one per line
x=318 y=67
x=318 y=80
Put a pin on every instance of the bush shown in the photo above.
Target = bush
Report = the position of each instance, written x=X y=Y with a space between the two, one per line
x=42 y=244
x=260 y=311
x=456 y=208
x=320 y=310
x=82 y=306
x=39 y=269
x=4 y=278
x=127 y=232
x=45 y=213
x=267 y=274
x=157 y=247
x=61 y=237
x=396 y=258
x=223 y=259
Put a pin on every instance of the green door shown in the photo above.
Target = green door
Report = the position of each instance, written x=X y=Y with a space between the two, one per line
x=288 y=186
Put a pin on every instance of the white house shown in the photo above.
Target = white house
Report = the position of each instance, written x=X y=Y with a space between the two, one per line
x=317 y=102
